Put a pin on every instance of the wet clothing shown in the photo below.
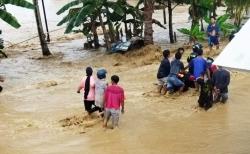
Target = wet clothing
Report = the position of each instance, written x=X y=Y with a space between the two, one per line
x=189 y=59
x=91 y=93
x=100 y=87
x=90 y=106
x=199 y=65
x=176 y=67
x=114 y=97
x=162 y=81
x=221 y=80
x=206 y=94
x=173 y=80
x=164 y=69
x=213 y=34
x=114 y=114
x=174 y=83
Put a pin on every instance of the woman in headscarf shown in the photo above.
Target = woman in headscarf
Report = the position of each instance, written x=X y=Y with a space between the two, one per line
x=87 y=86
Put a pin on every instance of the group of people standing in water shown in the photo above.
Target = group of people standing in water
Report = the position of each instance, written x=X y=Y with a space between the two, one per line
x=101 y=97
x=209 y=80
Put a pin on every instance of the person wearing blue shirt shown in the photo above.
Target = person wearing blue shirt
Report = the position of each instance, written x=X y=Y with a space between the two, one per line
x=213 y=30
x=200 y=67
x=173 y=81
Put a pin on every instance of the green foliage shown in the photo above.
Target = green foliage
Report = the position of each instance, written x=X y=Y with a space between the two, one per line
x=69 y=5
x=194 y=33
x=90 y=9
x=237 y=9
x=225 y=27
x=8 y=17
x=20 y=3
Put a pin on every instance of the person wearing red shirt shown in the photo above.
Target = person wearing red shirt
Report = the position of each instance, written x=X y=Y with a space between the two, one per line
x=114 y=100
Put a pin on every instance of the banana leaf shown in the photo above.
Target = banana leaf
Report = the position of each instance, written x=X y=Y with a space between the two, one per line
x=21 y=3
x=68 y=5
x=9 y=18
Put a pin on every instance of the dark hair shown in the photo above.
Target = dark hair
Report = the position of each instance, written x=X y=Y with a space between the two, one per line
x=199 y=52
x=178 y=55
x=180 y=49
x=115 y=79
x=213 y=17
x=196 y=47
x=89 y=72
x=166 y=53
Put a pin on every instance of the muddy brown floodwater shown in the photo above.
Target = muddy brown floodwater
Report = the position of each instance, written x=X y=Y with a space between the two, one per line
x=41 y=113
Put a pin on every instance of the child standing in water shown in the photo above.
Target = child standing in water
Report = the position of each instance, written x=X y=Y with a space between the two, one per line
x=114 y=99
x=100 y=87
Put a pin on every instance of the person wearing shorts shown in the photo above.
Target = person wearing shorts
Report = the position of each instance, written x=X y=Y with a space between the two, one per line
x=163 y=72
x=114 y=100
x=213 y=34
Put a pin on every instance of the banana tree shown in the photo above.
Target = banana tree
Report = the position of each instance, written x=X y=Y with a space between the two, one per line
x=225 y=27
x=238 y=9
x=195 y=34
x=95 y=13
x=200 y=9
x=7 y=16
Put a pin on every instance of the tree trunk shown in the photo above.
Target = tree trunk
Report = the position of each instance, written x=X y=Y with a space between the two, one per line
x=170 y=22
x=202 y=25
x=45 y=49
x=194 y=13
x=164 y=16
x=147 y=14
x=214 y=8
x=106 y=36
x=93 y=29
x=111 y=32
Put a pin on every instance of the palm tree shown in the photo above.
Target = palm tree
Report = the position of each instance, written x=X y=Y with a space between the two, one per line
x=7 y=16
x=45 y=49
x=147 y=14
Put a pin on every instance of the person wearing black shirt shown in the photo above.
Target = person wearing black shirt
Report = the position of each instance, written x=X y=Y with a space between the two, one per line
x=221 y=80
x=163 y=72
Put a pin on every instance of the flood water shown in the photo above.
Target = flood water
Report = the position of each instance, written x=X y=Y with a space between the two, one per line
x=31 y=105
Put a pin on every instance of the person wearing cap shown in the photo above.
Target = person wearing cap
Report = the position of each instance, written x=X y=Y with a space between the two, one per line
x=196 y=47
x=213 y=30
x=100 y=87
x=163 y=72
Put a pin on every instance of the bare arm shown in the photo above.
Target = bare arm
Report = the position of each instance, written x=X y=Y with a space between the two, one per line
x=122 y=103
x=81 y=86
